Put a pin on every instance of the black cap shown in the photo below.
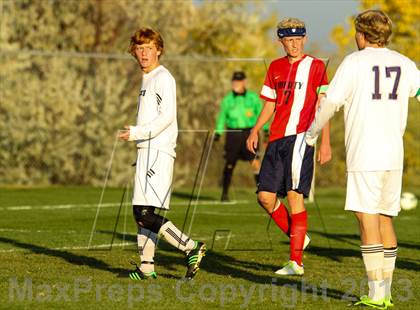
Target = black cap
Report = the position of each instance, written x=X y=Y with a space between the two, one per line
x=238 y=76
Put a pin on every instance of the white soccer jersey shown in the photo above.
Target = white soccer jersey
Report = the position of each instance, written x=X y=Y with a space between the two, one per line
x=157 y=126
x=374 y=86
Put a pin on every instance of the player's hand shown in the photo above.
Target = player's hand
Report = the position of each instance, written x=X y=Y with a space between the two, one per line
x=124 y=134
x=310 y=141
x=216 y=137
x=252 y=142
x=324 y=153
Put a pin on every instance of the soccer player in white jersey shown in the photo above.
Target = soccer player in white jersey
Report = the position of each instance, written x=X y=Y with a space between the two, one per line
x=373 y=84
x=290 y=91
x=155 y=135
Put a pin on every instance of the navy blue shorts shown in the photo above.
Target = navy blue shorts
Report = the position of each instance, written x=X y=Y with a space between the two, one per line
x=288 y=165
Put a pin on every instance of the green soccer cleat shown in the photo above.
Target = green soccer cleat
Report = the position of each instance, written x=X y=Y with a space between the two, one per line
x=138 y=275
x=388 y=302
x=366 y=301
x=291 y=268
x=194 y=258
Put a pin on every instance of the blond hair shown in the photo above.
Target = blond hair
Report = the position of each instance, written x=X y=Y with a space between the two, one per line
x=146 y=35
x=375 y=25
x=290 y=23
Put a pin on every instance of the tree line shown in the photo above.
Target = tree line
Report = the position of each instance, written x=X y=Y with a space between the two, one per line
x=59 y=112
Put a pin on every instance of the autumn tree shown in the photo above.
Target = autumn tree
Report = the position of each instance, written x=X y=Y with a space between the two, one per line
x=405 y=16
x=68 y=83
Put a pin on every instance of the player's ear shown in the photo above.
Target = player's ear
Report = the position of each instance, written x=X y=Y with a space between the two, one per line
x=304 y=39
x=360 y=40
x=159 y=52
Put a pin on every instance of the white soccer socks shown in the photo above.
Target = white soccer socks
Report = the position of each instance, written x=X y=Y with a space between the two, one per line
x=390 y=256
x=146 y=241
x=373 y=258
x=176 y=238
x=380 y=265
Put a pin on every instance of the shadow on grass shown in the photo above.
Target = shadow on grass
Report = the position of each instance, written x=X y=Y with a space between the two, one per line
x=354 y=239
x=336 y=253
x=214 y=263
x=228 y=266
x=69 y=257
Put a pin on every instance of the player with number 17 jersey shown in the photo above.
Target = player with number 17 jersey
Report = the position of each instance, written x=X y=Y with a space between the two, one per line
x=374 y=85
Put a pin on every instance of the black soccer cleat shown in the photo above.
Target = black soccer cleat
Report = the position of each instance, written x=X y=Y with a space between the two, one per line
x=138 y=275
x=224 y=198
x=194 y=258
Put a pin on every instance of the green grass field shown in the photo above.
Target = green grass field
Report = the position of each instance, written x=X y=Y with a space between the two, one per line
x=45 y=263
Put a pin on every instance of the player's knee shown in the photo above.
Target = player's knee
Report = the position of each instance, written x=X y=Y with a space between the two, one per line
x=264 y=200
x=141 y=213
x=145 y=217
x=294 y=196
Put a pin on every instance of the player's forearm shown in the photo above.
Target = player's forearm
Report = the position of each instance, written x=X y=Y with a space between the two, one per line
x=325 y=136
x=324 y=113
x=152 y=129
x=264 y=116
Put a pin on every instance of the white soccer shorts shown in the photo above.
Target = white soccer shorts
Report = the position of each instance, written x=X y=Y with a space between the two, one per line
x=153 y=178
x=374 y=192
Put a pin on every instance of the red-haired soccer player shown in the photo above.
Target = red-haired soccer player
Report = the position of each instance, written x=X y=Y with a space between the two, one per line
x=155 y=135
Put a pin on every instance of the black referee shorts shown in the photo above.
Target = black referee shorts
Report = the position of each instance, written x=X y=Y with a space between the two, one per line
x=235 y=146
x=288 y=164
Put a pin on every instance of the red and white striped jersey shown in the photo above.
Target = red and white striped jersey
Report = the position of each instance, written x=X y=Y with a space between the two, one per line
x=293 y=87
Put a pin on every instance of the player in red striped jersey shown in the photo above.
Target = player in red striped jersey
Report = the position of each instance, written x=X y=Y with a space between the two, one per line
x=290 y=90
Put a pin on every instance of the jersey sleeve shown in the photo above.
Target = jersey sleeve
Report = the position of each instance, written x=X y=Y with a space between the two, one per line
x=258 y=108
x=165 y=91
x=322 y=78
x=415 y=81
x=339 y=90
x=268 y=91
x=338 y=93
x=221 y=117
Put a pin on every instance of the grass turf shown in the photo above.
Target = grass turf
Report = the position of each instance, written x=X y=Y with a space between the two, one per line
x=44 y=233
